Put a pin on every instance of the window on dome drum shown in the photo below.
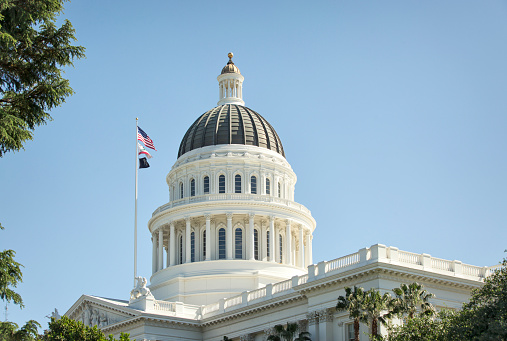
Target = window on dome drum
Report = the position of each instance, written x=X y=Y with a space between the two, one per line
x=268 y=187
x=181 y=249
x=204 y=244
x=281 y=249
x=192 y=247
x=181 y=190
x=267 y=243
x=221 y=184
x=279 y=190
x=256 y=244
x=238 y=243
x=237 y=183
x=192 y=188
x=253 y=185
x=221 y=243
x=206 y=185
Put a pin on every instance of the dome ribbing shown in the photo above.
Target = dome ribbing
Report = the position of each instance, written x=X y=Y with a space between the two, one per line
x=231 y=124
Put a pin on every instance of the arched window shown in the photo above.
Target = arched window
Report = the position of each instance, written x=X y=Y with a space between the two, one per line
x=238 y=243
x=181 y=250
x=221 y=243
x=181 y=190
x=268 y=187
x=192 y=188
x=192 y=247
x=204 y=244
x=237 y=183
x=206 y=185
x=221 y=184
x=253 y=185
x=281 y=249
x=267 y=243
x=279 y=190
x=256 y=244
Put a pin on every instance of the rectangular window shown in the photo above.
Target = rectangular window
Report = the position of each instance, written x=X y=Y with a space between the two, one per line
x=192 y=188
x=238 y=244
x=253 y=185
x=256 y=244
x=204 y=244
x=350 y=332
x=281 y=250
x=267 y=243
x=221 y=244
x=279 y=190
x=221 y=184
x=237 y=184
x=192 y=247
x=268 y=187
x=206 y=185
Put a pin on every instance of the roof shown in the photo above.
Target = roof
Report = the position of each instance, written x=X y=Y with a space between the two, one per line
x=231 y=124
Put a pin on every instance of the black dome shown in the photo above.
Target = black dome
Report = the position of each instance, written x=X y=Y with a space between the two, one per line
x=231 y=124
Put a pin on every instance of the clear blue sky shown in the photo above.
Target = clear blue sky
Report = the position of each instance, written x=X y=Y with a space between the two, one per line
x=393 y=114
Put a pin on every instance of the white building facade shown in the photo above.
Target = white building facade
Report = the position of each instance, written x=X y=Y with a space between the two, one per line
x=232 y=249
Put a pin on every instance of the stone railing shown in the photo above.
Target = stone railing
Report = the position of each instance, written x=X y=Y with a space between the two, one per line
x=375 y=254
x=232 y=196
x=164 y=306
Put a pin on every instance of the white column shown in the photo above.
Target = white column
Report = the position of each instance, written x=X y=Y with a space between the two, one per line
x=310 y=255
x=251 y=246
x=208 y=236
x=154 y=253
x=300 y=254
x=188 y=258
x=167 y=256
x=228 y=237
x=307 y=249
x=288 y=246
x=272 y=239
x=262 y=242
x=172 y=244
x=276 y=240
x=160 y=249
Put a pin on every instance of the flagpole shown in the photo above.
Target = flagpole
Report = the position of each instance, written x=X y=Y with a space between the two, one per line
x=135 y=215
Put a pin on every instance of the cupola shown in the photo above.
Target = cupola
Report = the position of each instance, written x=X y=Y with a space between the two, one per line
x=230 y=82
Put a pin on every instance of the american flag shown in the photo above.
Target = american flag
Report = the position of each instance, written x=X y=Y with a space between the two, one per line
x=144 y=138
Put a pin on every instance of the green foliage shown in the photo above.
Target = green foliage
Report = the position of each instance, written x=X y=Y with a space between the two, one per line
x=409 y=298
x=288 y=333
x=9 y=331
x=353 y=302
x=33 y=51
x=377 y=308
x=10 y=276
x=483 y=318
x=68 y=329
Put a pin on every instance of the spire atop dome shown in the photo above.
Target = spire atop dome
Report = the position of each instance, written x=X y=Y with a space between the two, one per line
x=230 y=83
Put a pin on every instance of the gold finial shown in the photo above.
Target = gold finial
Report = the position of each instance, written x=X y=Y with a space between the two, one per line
x=230 y=55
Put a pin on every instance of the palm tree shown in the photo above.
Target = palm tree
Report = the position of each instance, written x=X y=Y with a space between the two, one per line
x=9 y=331
x=376 y=307
x=288 y=333
x=353 y=303
x=411 y=297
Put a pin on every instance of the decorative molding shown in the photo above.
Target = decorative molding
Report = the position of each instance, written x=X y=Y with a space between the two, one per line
x=312 y=318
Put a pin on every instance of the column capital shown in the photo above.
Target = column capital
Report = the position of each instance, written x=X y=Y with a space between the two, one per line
x=271 y=218
x=251 y=215
x=288 y=222
x=229 y=215
x=207 y=216
x=326 y=315
x=187 y=219
x=263 y=222
x=312 y=317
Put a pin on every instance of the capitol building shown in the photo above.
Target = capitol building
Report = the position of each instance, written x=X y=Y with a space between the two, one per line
x=232 y=249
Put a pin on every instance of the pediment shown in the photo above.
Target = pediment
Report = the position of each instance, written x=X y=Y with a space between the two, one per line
x=100 y=312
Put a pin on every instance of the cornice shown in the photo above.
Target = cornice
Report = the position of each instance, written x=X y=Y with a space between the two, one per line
x=254 y=308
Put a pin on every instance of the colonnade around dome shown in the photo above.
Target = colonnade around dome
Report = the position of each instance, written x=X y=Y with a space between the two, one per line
x=230 y=236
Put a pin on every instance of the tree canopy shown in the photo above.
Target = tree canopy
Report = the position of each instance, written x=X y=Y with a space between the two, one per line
x=33 y=53
x=10 y=276
x=68 y=329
